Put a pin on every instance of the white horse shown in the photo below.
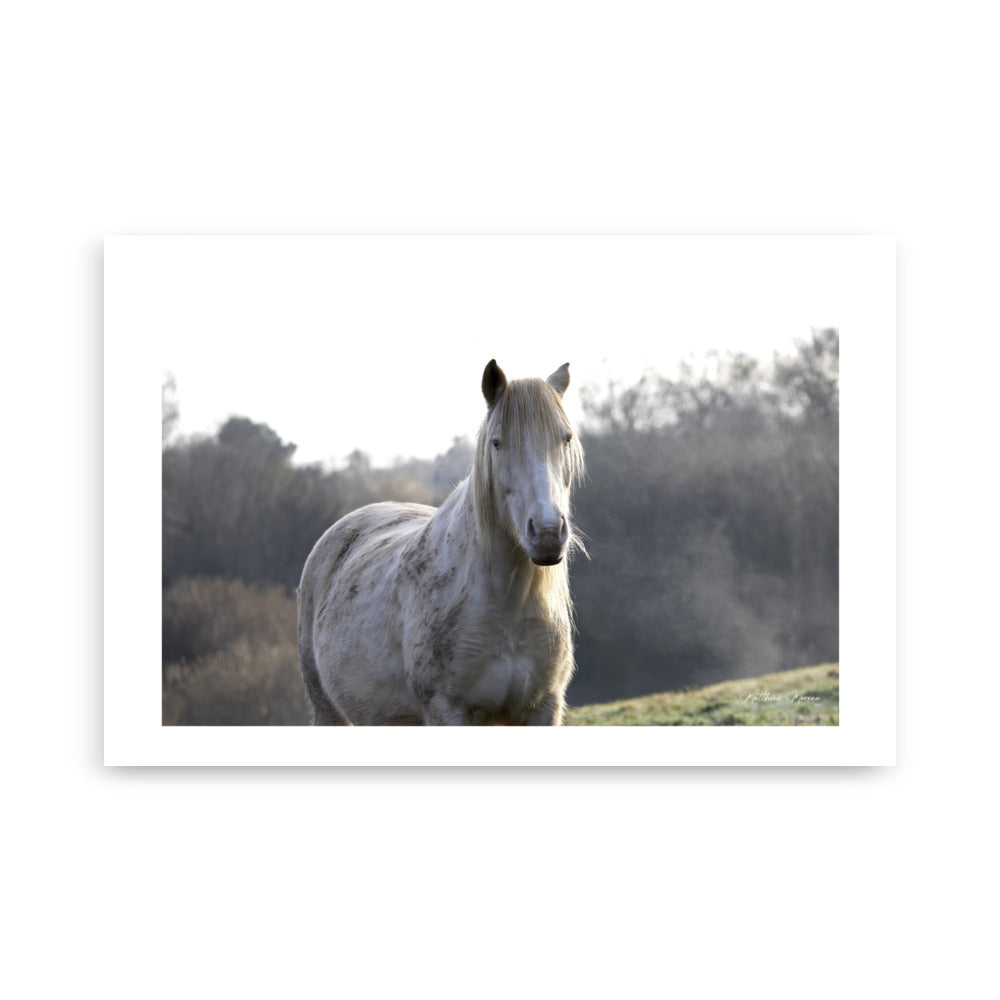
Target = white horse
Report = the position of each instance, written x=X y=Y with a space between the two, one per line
x=460 y=615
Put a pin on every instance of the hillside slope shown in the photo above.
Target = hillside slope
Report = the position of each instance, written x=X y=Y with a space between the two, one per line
x=808 y=696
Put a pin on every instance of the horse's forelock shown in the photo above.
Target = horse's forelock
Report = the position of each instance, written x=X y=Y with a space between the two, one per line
x=528 y=411
x=532 y=407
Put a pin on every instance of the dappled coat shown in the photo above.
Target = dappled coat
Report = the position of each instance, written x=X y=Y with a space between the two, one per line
x=411 y=615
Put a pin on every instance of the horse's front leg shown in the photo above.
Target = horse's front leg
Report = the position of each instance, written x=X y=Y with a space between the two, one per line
x=444 y=711
x=547 y=712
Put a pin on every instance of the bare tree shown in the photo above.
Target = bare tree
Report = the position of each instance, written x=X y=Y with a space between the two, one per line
x=171 y=411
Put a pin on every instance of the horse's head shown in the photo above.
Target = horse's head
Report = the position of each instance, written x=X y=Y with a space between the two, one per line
x=527 y=459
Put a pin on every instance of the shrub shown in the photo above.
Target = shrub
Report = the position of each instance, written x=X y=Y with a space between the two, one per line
x=230 y=655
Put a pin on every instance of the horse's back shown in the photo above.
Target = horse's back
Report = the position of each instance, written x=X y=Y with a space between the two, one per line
x=368 y=538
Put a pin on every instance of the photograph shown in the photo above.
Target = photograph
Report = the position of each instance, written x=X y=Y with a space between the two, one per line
x=497 y=481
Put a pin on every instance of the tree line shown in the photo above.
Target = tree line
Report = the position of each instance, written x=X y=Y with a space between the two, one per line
x=710 y=511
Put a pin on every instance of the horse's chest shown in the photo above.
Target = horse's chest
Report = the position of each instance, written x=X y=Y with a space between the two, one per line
x=506 y=678
x=511 y=672
x=484 y=665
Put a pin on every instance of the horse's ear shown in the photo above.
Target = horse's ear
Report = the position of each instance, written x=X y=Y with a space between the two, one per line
x=494 y=382
x=559 y=379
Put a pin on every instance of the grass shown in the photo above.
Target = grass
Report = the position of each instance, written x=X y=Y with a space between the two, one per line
x=808 y=696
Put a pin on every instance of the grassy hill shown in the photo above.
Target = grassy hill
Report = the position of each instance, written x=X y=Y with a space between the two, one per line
x=809 y=696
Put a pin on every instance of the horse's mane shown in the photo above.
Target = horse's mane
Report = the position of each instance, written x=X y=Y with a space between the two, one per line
x=528 y=411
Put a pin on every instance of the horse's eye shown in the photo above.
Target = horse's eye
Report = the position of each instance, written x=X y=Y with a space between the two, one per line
x=569 y=437
x=496 y=443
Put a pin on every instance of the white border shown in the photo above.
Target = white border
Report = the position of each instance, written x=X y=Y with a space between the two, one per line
x=866 y=734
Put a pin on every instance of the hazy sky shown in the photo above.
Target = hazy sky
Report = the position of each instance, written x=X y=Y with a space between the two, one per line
x=379 y=342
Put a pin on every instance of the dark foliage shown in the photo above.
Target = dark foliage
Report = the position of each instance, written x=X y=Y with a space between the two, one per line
x=230 y=655
x=712 y=511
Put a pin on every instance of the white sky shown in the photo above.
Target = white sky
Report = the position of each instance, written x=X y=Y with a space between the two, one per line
x=379 y=342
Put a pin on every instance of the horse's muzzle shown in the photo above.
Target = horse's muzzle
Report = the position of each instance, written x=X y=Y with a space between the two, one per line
x=547 y=545
x=552 y=560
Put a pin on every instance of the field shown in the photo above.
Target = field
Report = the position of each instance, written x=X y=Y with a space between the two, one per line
x=809 y=696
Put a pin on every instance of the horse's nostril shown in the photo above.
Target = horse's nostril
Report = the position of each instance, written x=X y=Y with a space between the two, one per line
x=531 y=528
